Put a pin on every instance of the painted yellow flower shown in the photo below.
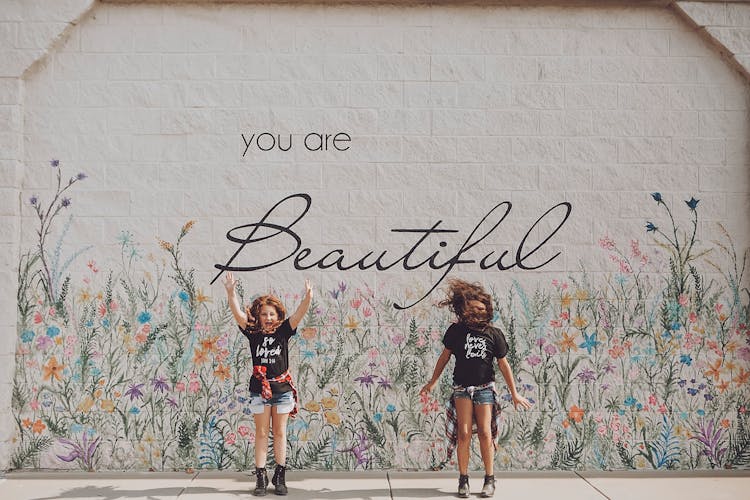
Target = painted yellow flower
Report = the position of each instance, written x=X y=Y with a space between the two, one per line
x=189 y=224
x=351 y=323
x=201 y=298
x=565 y=300
x=84 y=296
x=582 y=294
x=580 y=322
x=332 y=417
x=312 y=406
x=165 y=245
x=85 y=405
x=328 y=403
x=568 y=342
x=107 y=405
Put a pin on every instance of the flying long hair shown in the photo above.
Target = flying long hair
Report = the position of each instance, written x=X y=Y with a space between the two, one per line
x=459 y=294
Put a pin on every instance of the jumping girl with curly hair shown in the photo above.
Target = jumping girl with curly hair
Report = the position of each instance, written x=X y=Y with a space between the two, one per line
x=476 y=344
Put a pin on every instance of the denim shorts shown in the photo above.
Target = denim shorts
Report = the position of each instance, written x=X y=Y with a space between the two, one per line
x=484 y=396
x=284 y=402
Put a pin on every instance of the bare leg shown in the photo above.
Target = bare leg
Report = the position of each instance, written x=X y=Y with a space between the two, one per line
x=279 y=420
x=262 y=424
x=464 y=412
x=483 y=415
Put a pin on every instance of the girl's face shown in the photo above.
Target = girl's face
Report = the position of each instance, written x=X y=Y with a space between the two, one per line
x=268 y=316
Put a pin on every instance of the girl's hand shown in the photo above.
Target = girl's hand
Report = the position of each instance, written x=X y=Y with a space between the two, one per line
x=428 y=387
x=229 y=282
x=520 y=400
x=308 y=289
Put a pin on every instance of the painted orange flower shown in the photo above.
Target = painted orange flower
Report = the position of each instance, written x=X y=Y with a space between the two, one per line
x=351 y=323
x=723 y=385
x=580 y=322
x=312 y=406
x=200 y=356
x=568 y=342
x=713 y=370
x=85 y=405
x=576 y=414
x=27 y=423
x=108 y=405
x=328 y=403
x=332 y=418
x=742 y=377
x=222 y=372
x=209 y=344
x=201 y=297
x=52 y=369
x=38 y=427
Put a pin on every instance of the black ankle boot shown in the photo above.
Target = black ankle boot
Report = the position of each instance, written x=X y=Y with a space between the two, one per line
x=279 y=480
x=261 y=483
x=463 y=486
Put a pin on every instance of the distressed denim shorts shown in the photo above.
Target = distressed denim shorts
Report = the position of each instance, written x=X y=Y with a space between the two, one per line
x=283 y=402
x=484 y=396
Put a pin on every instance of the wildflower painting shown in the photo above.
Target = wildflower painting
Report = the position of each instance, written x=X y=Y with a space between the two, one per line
x=137 y=368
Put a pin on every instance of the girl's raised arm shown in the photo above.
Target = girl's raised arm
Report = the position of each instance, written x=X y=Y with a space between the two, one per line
x=296 y=318
x=234 y=304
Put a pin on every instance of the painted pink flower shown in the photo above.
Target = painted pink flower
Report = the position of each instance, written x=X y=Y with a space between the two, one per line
x=533 y=360
x=231 y=438
x=356 y=303
x=194 y=386
x=38 y=317
x=179 y=386
x=243 y=430
x=366 y=312
x=550 y=349
x=682 y=300
x=692 y=317
x=607 y=243
x=652 y=399
x=34 y=404
x=602 y=430
x=43 y=342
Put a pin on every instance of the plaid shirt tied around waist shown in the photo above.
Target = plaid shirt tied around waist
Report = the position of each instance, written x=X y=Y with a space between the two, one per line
x=451 y=417
x=259 y=372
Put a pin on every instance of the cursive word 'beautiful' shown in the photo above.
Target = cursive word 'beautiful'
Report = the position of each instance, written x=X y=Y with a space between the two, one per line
x=289 y=245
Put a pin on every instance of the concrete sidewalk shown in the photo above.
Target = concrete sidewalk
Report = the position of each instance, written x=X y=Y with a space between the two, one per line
x=377 y=485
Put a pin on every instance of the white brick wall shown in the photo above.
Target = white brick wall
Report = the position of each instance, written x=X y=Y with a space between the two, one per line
x=555 y=103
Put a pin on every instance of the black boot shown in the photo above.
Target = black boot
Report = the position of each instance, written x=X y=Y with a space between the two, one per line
x=261 y=483
x=279 y=480
x=463 y=486
x=489 y=486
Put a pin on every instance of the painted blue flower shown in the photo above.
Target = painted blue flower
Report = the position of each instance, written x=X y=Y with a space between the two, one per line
x=378 y=417
x=589 y=342
x=53 y=331
x=105 y=323
x=54 y=163
x=183 y=295
x=33 y=200
x=692 y=391
x=657 y=197
x=701 y=386
x=621 y=412
x=308 y=354
x=638 y=406
x=630 y=401
x=676 y=326
x=144 y=317
x=685 y=359
x=390 y=408
x=76 y=428
x=621 y=279
x=27 y=336
x=134 y=410
x=708 y=397
x=701 y=412
x=692 y=203
x=650 y=227
x=90 y=324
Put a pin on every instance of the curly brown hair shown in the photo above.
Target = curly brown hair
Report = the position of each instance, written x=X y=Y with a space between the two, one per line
x=459 y=294
x=253 y=312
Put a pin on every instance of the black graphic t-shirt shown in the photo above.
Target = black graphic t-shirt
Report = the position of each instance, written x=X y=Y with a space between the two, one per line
x=271 y=351
x=475 y=352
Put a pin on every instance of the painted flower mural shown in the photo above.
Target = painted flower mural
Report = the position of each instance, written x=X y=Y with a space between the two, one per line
x=136 y=368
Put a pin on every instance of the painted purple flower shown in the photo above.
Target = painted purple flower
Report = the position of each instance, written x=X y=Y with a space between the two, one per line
x=43 y=342
x=342 y=287
x=367 y=380
x=710 y=436
x=34 y=200
x=160 y=384
x=385 y=383
x=54 y=163
x=83 y=451
x=171 y=402
x=541 y=341
x=65 y=202
x=81 y=176
x=587 y=375
x=550 y=349
x=134 y=391
x=359 y=450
